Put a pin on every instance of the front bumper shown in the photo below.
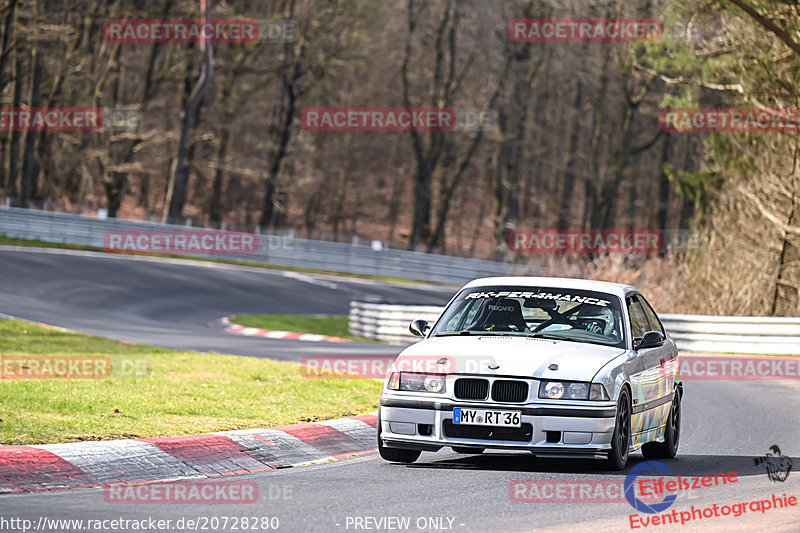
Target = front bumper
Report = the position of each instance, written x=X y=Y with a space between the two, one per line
x=564 y=429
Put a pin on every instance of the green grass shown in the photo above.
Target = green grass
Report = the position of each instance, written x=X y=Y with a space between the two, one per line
x=183 y=393
x=43 y=244
x=331 y=325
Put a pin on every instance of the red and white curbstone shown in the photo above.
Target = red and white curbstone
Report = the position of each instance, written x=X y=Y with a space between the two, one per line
x=92 y=464
x=236 y=329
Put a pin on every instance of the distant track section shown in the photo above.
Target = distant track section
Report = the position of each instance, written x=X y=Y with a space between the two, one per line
x=279 y=248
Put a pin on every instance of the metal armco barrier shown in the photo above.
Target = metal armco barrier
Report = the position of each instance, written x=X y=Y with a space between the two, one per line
x=696 y=333
x=280 y=249
x=735 y=334
x=387 y=322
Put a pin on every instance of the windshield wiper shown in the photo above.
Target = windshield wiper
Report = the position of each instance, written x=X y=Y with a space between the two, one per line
x=551 y=337
x=540 y=335
x=466 y=332
x=453 y=333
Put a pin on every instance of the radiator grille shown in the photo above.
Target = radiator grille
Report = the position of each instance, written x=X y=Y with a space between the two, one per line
x=506 y=390
x=471 y=389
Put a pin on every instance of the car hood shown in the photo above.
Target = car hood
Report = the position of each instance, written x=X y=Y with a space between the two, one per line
x=513 y=356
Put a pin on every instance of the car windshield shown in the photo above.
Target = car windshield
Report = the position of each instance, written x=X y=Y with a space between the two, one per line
x=546 y=312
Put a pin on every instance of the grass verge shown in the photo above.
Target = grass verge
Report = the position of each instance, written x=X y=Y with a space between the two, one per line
x=330 y=325
x=43 y=244
x=185 y=392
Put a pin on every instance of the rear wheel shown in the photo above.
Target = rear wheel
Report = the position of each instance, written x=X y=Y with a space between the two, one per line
x=468 y=450
x=621 y=439
x=395 y=455
x=672 y=434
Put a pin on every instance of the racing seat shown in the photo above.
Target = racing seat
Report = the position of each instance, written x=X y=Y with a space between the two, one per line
x=505 y=315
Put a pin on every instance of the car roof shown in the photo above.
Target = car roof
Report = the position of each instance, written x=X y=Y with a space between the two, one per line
x=617 y=289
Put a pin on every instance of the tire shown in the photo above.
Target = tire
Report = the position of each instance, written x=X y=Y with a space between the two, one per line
x=672 y=434
x=395 y=455
x=468 y=450
x=621 y=438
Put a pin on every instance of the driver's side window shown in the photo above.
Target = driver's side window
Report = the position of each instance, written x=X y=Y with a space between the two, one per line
x=638 y=319
x=652 y=317
x=463 y=313
x=471 y=314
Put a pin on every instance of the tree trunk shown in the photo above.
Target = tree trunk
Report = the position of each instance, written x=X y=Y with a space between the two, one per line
x=150 y=84
x=30 y=171
x=594 y=174
x=421 y=214
x=688 y=209
x=662 y=202
x=787 y=282
x=215 y=202
x=179 y=173
x=428 y=149
x=14 y=135
x=272 y=207
x=564 y=220
x=394 y=206
x=786 y=296
x=521 y=62
x=605 y=212
x=8 y=27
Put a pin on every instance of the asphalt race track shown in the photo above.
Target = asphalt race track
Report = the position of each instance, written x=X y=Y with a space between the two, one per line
x=171 y=302
x=725 y=423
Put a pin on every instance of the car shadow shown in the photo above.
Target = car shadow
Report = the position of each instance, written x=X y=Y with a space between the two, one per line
x=684 y=465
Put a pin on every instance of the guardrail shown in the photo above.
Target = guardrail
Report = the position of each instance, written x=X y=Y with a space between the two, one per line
x=281 y=249
x=388 y=322
x=735 y=334
x=695 y=333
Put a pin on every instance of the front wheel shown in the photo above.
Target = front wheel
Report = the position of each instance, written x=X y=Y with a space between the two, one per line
x=672 y=434
x=621 y=439
x=395 y=455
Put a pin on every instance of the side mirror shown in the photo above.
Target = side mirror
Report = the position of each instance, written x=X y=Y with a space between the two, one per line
x=418 y=327
x=651 y=339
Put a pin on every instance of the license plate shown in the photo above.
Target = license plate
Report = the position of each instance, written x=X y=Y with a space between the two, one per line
x=486 y=417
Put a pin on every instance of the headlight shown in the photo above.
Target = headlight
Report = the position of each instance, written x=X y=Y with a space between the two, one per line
x=571 y=390
x=416 y=382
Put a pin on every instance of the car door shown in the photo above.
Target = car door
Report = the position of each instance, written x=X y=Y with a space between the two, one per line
x=668 y=354
x=651 y=388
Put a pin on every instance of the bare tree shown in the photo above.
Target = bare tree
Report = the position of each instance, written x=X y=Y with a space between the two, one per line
x=428 y=146
x=179 y=173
